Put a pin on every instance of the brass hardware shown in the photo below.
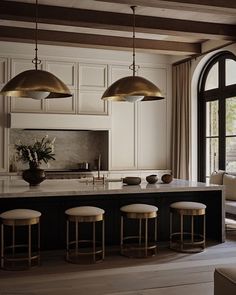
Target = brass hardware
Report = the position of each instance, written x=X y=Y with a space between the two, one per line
x=73 y=250
x=187 y=242
x=36 y=84
x=133 y=88
x=144 y=248
x=12 y=261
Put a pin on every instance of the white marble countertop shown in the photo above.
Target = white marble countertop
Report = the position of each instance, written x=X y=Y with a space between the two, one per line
x=73 y=187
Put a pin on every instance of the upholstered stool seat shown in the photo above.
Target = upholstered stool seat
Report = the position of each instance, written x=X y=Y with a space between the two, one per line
x=74 y=249
x=17 y=259
x=225 y=280
x=179 y=240
x=145 y=244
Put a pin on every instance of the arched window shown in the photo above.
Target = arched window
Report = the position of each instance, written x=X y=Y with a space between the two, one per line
x=217 y=115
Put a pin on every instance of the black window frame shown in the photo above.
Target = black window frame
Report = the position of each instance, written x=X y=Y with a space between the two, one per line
x=221 y=93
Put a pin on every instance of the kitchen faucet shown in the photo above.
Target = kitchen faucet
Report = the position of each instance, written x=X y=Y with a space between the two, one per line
x=99 y=165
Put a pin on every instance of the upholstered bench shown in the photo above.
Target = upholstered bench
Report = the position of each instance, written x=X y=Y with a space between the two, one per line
x=229 y=181
x=225 y=281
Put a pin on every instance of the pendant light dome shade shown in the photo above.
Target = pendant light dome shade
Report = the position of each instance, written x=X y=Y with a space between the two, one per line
x=132 y=88
x=36 y=84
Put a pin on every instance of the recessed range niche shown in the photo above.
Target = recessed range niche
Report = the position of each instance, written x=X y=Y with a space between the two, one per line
x=71 y=147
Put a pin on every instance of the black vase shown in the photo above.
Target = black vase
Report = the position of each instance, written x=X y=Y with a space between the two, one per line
x=34 y=176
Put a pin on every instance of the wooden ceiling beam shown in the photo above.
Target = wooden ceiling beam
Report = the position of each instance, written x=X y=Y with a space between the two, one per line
x=220 y=4
x=11 y=10
x=78 y=39
x=194 y=5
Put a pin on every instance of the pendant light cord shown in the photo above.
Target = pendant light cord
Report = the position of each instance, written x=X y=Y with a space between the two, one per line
x=133 y=8
x=133 y=67
x=36 y=61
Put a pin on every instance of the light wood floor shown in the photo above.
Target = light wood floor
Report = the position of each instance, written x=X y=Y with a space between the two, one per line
x=169 y=273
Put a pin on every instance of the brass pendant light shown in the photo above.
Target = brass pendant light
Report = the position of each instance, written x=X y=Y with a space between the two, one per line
x=132 y=88
x=36 y=84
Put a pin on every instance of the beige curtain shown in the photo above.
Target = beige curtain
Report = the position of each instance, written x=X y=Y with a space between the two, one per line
x=181 y=121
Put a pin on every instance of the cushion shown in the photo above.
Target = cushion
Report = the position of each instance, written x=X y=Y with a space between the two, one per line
x=84 y=211
x=225 y=281
x=229 y=181
x=217 y=177
x=187 y=205
x=20 y=214
x=139 y=208
x=230 y=207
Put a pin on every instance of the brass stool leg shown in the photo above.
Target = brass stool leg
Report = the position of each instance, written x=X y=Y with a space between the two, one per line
x=192 y=229
x=76 y=238
x=2 y=248
x=204 y=231
x=171 y=217
x=146 y=236
x=67 y=239
x=140 y=232
x=13 y=239
x=94 y=242
x=29 y=245
x=103 y=239
x=181 y=232
x=155 y=234
x=121 y=234
x=39 y=258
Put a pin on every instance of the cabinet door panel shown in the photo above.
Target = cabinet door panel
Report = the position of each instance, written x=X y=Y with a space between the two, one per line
x=62 y=105
x=152 y=124
x=93 y=76
x=152 y=135
x=65 y=71
x=123 y=139
x=90 y=102
x=158 y=76
x=22 y=104
x=123 y=135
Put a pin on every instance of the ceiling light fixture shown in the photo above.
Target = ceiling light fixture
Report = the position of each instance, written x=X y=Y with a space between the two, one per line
x=132 y=88
x=36 y=84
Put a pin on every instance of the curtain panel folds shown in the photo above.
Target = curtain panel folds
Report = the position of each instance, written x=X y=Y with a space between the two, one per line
x=181 y=120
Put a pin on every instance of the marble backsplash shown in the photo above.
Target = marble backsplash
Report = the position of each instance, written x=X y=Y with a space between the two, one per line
x=71 y=147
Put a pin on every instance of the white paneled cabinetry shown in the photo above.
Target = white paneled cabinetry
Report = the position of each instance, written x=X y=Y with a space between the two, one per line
x=92 y=84
x=138 y=132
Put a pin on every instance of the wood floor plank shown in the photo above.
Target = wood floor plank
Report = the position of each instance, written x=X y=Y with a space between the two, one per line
x=169 y=273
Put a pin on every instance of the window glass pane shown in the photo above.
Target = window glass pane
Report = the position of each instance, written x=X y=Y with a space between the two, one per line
x=231 y=116
x=212 y=118
x=230 y=72
x=212 y=155
x=231 y=154
x=212 y=80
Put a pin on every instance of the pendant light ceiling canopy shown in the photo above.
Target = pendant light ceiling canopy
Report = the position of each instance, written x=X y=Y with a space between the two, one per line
x=36 y=84
x=133 y=88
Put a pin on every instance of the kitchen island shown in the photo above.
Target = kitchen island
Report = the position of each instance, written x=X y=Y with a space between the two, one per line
x=53 y=197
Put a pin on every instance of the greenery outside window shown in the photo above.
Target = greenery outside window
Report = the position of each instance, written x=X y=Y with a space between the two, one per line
x=217 y=115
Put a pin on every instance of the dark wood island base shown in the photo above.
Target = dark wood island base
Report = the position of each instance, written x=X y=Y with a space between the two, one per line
x=53 y=206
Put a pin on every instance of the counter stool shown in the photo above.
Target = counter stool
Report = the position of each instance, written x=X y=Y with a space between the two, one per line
x=143 y=246
x=18 y=260
x=187 y=241
x=74 y=248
